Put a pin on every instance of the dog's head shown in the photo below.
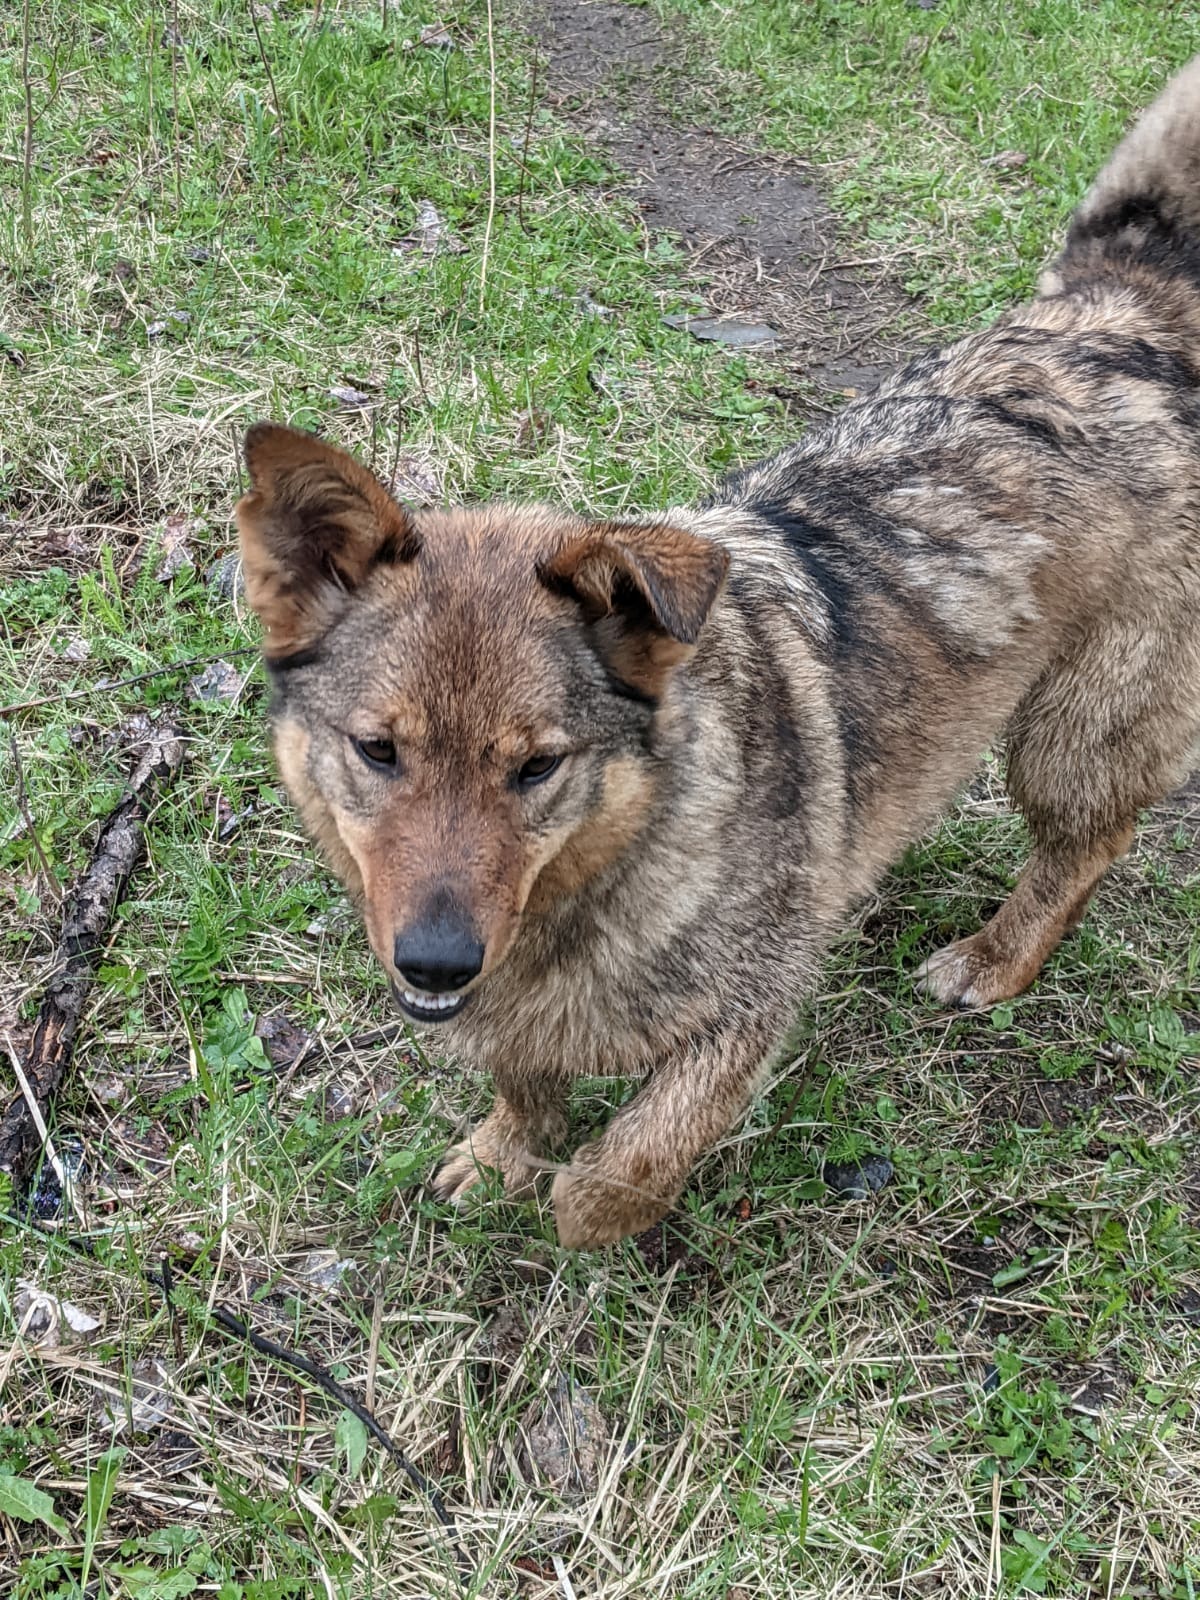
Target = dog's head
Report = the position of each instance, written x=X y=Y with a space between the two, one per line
x=465 y=700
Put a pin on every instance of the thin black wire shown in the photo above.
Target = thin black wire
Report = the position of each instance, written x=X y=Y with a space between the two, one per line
x=239 y=1328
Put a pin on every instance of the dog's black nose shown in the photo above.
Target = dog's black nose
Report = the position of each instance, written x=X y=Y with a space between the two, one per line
x=438 y=954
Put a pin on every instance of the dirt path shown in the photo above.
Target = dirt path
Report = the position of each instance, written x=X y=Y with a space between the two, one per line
x=764 y=244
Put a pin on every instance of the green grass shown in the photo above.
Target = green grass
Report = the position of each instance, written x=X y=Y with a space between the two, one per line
x=982 y=1381
x=917 y=116
x=184 y=271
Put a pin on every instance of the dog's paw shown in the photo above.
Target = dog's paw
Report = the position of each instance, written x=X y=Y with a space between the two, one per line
x=967 y=974
x=465 y=1166
x=459 y=1171
x=590 y=1211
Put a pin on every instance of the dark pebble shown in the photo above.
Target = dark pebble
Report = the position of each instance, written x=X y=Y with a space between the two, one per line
x=224 y=577
x=857 y=1182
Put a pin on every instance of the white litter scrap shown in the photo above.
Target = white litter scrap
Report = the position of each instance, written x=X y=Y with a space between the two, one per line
x=432 y=235
x=45 y=1321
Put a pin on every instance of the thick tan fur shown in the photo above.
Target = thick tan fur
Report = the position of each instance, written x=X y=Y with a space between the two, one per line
x=756 y=703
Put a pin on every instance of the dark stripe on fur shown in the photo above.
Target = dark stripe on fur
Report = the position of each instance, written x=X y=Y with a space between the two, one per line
x=276 y=665
x=1038 y=429
x=777 y=753
x=868 y=559
x=1137 y=359
x=1131 y=211
x=855 y=648
x=1138 y=229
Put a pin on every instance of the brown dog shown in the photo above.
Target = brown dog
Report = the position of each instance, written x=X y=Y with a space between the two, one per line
x=604 y=790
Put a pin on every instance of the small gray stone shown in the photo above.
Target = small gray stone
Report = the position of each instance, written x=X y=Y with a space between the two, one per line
x=850 y=1181
x=225 y=578
x=348 y=397
x=218 y=681
x=730 y=331
x=567 y=1440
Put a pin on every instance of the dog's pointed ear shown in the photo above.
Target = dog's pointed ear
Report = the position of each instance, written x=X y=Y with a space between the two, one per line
x=647 y=589
x=312 y=526
x=649 y=574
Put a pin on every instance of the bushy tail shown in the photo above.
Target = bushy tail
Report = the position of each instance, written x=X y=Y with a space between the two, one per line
x=1151 y=185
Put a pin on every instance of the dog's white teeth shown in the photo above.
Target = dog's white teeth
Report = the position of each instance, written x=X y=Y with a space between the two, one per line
x=429 y=1002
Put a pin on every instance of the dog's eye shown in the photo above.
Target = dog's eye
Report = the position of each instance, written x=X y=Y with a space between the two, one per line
x=377 y=753
x=536 y=769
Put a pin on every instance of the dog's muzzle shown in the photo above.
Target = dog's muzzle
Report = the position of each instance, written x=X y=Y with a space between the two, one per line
x=436 y=957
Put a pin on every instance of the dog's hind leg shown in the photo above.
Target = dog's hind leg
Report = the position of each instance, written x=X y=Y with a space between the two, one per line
x=1103 y=734
x=528 y=1118
x=1049 y=899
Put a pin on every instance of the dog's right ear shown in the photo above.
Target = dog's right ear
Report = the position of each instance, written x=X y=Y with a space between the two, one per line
x=312 y=526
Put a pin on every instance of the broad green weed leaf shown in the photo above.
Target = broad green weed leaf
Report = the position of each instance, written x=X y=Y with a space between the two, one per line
x=25 y=1502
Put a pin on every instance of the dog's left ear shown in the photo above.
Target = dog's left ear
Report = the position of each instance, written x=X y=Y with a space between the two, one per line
x=647 y=588
x=649 y=574
x=313 y=525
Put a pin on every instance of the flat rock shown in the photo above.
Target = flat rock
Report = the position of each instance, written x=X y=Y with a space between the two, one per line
x=857 y=1180
x=730 y=331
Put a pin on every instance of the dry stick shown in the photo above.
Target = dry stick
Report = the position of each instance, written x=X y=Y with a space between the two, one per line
x=153 y=142
x=85 y=924
x=322 y=1377
x=391 y=483
x=123 y=683
x=325 y=1380
x=525 y=146
x=262 y=51
x=176 y=43
x=27 y=157
x=491 y=216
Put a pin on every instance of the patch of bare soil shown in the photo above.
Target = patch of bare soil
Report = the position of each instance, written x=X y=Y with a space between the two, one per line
x=1172 y=832
x=763 y=242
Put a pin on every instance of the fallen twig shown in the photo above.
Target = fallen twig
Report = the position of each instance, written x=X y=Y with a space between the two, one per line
x=85 y=924
x=263 y=57
x=238 y=1328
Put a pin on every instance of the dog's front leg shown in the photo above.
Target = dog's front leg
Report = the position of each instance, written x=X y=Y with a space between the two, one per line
x=528 y=1117
x=630 y=1176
